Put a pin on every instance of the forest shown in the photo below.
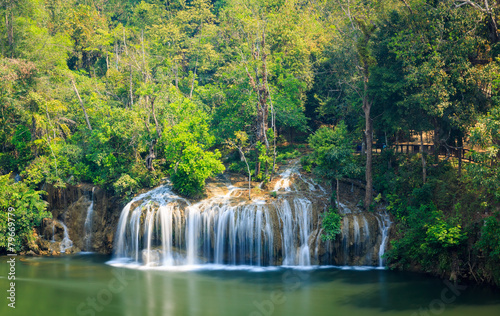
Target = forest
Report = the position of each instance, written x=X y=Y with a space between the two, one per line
x=401 y=96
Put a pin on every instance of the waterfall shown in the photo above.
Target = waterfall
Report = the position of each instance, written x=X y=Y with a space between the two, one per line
x=88 y=224
x=385 y=224
x=303 y=218
x=288 y=233
x=160 y=228
x=363 y=239
x=366 y=240
x=193 y=224
x=164 y=229
x=53 y=232
x=357 y=246
x=345 y=240
x=66 y=243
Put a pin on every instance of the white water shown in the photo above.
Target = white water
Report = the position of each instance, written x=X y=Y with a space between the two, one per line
x=66 y=243
x=284 y=183
x=53 y=232
x=168 y=231
x=88 y=224
x=385 y=224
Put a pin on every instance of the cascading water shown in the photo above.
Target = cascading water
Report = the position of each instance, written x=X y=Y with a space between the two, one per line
x=303 y=218
x=159 y=228
x=88 y=224
x=385 y=225
x=53 y=232
x=66 y=243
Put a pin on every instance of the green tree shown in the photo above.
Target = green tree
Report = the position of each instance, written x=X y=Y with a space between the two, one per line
x=333 y=154
x=186 y=150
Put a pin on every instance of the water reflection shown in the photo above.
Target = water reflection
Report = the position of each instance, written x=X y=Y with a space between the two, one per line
x=57 y=286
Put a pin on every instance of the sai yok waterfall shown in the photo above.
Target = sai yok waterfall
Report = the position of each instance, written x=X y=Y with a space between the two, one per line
x=161 y=229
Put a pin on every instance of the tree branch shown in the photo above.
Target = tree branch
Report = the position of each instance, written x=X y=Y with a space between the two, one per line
x=81 y=103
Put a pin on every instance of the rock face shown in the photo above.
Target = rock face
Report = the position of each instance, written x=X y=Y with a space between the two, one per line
x=69 y=206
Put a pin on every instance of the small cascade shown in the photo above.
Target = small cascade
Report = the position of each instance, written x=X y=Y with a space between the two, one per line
x=66 y=243
x=303 y=214
x=367 y=238
x=284 y=183
x=357 y=245
x=88 y=224
x=385 y=225
x=345 y=240
x=53 y=232
x=288 y=234
x=362 y=240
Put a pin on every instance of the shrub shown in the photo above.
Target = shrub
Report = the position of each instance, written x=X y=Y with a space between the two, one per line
x=307 y=163
x=125 y=185
x=29 y=210
x=332 y=224
x=194 y=167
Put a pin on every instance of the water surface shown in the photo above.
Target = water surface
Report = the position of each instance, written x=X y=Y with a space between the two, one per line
x=86 y=285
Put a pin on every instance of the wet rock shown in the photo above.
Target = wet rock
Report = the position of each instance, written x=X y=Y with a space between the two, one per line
x=69 y=206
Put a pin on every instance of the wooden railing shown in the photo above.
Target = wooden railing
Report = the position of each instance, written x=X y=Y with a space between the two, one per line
x=429 y=149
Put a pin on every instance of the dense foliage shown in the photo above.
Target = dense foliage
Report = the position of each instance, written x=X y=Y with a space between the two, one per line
x=21 y=210
x=123 y=94
x=331 y=224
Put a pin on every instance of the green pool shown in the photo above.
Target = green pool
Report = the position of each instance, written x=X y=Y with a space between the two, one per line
x=86 y=285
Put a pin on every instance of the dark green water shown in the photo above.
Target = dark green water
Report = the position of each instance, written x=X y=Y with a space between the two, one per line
x=69 y=285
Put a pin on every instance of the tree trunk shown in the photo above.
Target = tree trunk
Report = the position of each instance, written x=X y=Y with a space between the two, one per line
x=273 y=126
x=259 y=85
x=437 y=145
x=131 y=87
x=192 y=82
x=369 y=143
x=9 y=26
x=363 y=145
x=338 y=193
x=459 y=152
x=176 y=76
x=151 y=156
x=333 y=197
x=158 y=131
x=368 y=172
x=117 y=57
x=81 y=104
x=249 y=174
x=257 y=165
x=424 y=163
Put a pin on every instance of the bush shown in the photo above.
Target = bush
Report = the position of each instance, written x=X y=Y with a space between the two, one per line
x=29 y=210
x=307 y=163
x=332 y=224
x=425 y=235
x=194 y=167
x=489 y=244
x=125 y=185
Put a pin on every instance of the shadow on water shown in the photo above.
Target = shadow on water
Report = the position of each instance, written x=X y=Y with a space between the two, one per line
x=405 y=291
x=385 y=291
